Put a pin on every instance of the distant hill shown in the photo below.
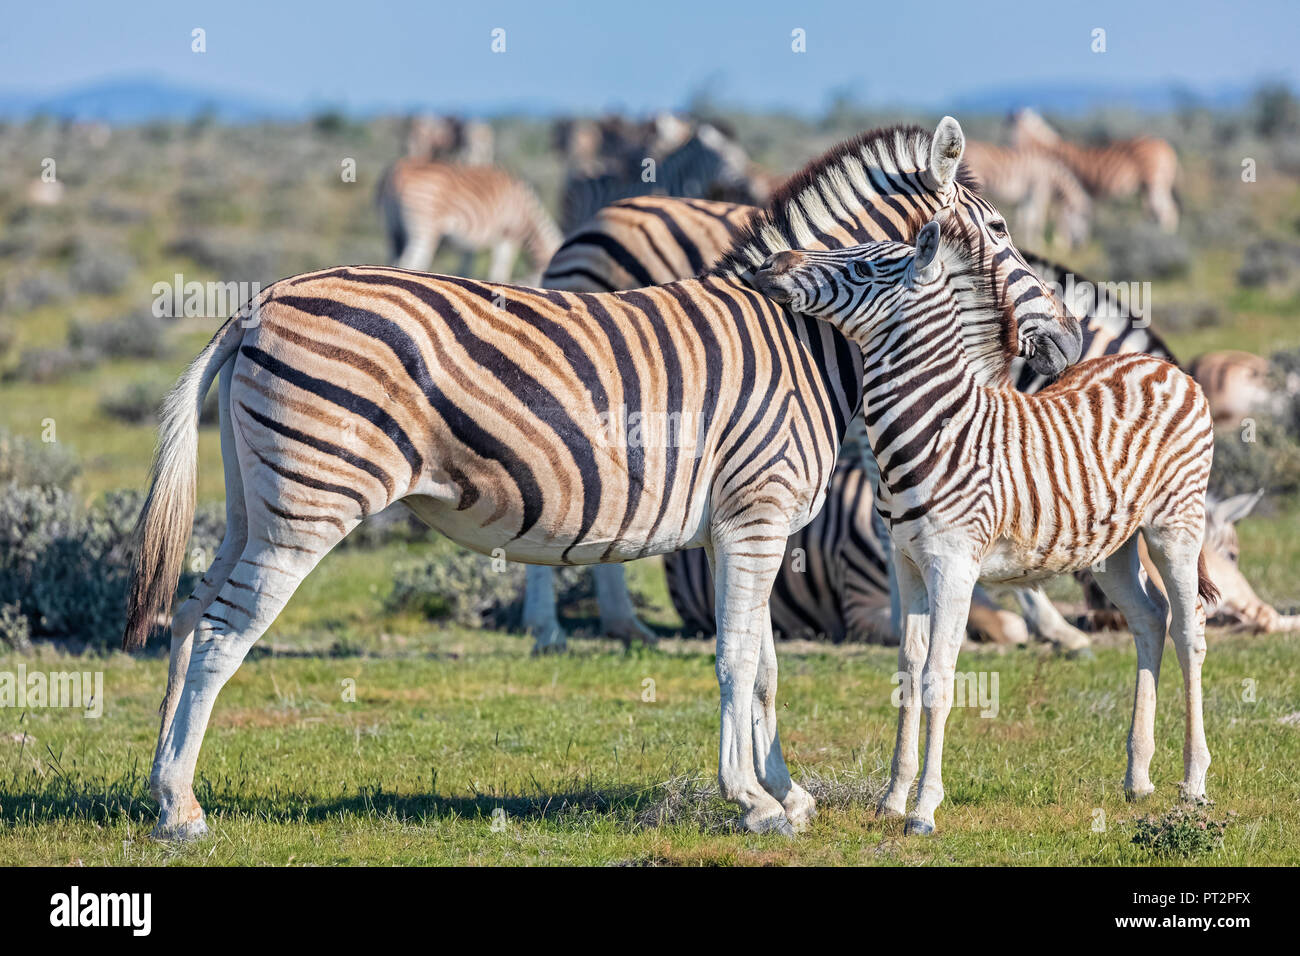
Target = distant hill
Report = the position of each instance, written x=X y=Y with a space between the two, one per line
x=1076 y=98
x=138 y=99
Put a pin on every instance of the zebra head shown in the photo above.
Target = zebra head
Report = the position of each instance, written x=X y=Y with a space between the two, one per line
x=1046 y=335
x=852 y=288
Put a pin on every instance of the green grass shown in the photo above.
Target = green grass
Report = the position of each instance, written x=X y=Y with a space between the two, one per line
x=461 y=723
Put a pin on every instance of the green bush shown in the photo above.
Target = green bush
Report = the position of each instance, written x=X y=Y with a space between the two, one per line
x=1271 y=461
x=26 y=462
x=462 y=586
x=1183 y=831
x=65 y=568
x=139 y=335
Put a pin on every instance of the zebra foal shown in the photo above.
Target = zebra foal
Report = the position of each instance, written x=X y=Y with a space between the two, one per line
x=981 y=483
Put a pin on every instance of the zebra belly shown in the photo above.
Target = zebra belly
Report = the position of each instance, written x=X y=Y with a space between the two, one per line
x=542 y=546
x=1013 y=563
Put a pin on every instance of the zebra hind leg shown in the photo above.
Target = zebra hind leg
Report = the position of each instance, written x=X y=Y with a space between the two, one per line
x=742 y=575
x=769 y=763
x=250 y=598
x=1176 y=554
x=1144 y=609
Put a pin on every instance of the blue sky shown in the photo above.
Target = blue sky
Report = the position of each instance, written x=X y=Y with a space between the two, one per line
x=642 y=54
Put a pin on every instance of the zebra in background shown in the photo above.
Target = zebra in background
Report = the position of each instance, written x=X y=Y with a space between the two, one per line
x=985 y=483
x=450 y=139
x=708 y=165
x=1040 y=184
x=473 y=207
x=1144 y=165
x=486 y=409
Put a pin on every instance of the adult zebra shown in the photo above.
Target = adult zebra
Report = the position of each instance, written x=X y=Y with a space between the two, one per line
x=485 y=408
x=709 y=163
x=1040 y=183
x=654 y=240
x=1144 y=165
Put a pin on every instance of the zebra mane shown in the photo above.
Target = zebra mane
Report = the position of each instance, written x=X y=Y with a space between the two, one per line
x=978 y=316
x=826 y=196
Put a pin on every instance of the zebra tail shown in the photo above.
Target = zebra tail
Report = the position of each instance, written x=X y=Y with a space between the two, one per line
x=164 y=525
x=1204 y=586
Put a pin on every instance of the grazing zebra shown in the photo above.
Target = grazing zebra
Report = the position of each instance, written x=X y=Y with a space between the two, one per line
x=473 y=207
x=487 y=409
x=980 y=482
x=706 y=165
x=450 y=139
x=1038 y=182
x=1146 y=164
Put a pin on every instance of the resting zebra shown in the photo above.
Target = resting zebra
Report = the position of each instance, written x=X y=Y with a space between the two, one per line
x=1039 y=183
x=834 y=581
x=473 y=207
x=485 y=409
x=983 y=483
x=1145 y=165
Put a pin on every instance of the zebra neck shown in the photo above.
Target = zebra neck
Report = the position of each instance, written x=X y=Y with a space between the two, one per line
x=918 y=384
x=853 y=194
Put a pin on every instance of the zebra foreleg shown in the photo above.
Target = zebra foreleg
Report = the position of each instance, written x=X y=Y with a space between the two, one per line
x=1046 y=622
x=540 y=618
x=949 y=584
x=912 y=650
x=617 y=615
x=742 y=579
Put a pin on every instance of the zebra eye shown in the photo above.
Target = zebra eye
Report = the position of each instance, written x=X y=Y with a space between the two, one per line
x=860 y=271
x=998 y=227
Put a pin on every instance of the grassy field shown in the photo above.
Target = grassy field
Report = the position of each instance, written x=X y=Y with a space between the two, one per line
x=450 y=725
x=463 y=750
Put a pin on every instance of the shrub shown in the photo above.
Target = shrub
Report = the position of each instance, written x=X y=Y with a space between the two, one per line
x=50 y=365
x=1269 y=262
x=66 y=568
x=1271 y=461
x=31 y=291
x=138 y=335
x=1143 y=253
x=26 y=462
x=136 y=404
x=100 y=270
x=1183 y=831
x=462 y=586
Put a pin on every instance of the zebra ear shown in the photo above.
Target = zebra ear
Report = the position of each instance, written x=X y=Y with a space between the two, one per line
x=1232 y=510
x=927 y=248
x=946 y=149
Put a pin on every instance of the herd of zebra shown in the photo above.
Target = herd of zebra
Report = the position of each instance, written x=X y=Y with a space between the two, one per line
x=876 y=291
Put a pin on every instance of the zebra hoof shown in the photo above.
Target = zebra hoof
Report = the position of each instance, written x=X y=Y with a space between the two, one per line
x=1138 y=794
x=190 y=831
x=918 y=827
x=776 y=823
